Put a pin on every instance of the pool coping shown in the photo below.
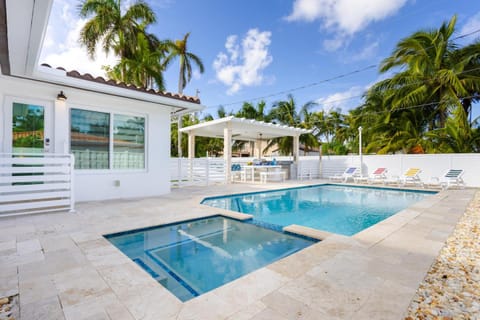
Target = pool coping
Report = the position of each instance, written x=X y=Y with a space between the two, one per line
x=360 y=186
x=315 y=281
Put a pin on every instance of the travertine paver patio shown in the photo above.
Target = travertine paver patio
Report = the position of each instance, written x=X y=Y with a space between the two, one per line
x=62 y=267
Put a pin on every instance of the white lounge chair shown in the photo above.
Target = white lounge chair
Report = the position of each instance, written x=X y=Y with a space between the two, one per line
x=349 y=173
x=376 y=176
x=411 y=176
x=452 y=177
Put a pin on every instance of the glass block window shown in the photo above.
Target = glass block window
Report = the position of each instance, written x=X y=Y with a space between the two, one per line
x=128 y=142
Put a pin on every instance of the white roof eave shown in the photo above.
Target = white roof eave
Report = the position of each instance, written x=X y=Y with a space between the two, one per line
x=60 y=77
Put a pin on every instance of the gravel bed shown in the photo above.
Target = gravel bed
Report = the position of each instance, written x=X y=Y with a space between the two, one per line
x=9 y=308
x=451 y=289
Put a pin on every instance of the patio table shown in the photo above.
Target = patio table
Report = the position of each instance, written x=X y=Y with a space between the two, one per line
x=254 y=168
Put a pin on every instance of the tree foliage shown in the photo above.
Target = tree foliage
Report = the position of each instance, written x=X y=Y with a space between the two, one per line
x=143 y=58
x=424 y=106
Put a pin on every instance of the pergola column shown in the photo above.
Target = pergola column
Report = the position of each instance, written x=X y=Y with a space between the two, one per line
x=258 y=145
x=227 y=152
x=191 y=145
x=296 y=148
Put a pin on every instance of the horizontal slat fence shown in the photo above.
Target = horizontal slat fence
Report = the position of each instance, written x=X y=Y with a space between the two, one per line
x=432 y=165
x=31 y=183
x=199 y=171
x=309 y=167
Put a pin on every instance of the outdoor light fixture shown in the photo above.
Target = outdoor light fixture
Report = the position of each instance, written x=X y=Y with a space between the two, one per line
x=61 y=96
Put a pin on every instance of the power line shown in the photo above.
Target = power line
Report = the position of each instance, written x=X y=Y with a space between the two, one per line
x=369 y=113
x=313 y=84
x=466 y=34
x=409 y=84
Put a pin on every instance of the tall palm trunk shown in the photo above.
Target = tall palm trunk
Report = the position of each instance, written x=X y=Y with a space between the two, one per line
x=180 y=122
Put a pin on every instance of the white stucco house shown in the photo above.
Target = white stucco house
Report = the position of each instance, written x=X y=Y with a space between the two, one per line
x=119 y=135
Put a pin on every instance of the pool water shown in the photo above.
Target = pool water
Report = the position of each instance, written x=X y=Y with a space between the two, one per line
x=339 y=209
x=193 y=257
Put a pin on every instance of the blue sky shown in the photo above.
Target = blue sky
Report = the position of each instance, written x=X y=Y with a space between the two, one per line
x=253 y=48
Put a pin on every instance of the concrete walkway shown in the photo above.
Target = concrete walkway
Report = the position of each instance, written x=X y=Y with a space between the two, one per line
x=62 y=267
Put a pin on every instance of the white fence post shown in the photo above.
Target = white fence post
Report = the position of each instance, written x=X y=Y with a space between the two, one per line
x=207 y=171
x=72 y=183
x=179 y=172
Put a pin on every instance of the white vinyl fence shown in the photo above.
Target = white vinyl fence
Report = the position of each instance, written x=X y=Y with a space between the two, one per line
x=32 y=183
x=199 y=171
x=206 y=171
x=432 y=165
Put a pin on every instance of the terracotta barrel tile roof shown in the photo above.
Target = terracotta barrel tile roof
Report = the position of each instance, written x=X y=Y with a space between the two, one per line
x=89 y=77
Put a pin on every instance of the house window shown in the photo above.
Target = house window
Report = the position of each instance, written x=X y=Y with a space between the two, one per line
x=102 y=140
x=128 y=142
x=90 y=139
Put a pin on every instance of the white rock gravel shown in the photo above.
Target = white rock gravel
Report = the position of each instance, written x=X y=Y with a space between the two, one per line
x=451 y=289
x=9 y=308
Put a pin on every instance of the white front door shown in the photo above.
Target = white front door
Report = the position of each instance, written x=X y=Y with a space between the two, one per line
x=28 y=125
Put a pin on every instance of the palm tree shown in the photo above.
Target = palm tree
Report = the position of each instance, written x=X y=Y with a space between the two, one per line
x=285 y=112
x=178 y=49
x=144 y=69
x=307 y=119
x=470 y=54
x=116 y=31
x=249 y=111
x=433 y=72
x=458 y=135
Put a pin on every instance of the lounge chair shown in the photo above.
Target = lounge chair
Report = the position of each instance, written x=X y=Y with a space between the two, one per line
x=452 y=177
x=351 y=172
x=377 y=176
x=411 y=176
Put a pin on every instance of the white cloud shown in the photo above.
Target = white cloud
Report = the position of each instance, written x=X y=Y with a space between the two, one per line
x=344 y=101
x=472 y=24
x=333 y=44
x=343 y=18
x=244 y=63
x=367 y=52
x=61 y=47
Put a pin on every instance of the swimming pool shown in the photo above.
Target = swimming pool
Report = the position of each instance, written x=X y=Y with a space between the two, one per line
x=335 y=208
x=192 y=257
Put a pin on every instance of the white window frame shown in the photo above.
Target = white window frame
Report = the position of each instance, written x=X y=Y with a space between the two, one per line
x=111 y=113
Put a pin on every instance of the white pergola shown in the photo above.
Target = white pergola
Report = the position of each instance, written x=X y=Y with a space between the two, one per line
x=241 y=129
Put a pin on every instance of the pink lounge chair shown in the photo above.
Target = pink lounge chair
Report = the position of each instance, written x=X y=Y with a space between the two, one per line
x=376 y=176
x=379 y=175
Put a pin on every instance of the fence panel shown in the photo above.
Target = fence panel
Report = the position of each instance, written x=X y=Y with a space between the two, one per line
x=432 y=165
x=198 y=171
x=212 y=170
x=31 y=183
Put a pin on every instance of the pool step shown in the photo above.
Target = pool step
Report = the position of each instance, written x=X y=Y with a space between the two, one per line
x=149 y=270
